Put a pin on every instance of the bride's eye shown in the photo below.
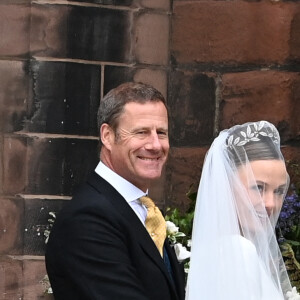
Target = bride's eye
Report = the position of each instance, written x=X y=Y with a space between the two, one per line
x=259 y=187
x=279 y=191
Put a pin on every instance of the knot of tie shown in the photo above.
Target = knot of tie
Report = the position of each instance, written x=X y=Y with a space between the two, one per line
x=155 y=223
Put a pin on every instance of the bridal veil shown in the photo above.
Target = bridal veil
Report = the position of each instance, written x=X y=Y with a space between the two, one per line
x=234 y=253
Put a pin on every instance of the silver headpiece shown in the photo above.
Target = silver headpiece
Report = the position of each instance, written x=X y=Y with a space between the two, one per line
x=253 y=133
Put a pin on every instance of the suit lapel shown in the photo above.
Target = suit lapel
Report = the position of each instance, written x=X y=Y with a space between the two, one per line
x=178 y=270
x=141 y=233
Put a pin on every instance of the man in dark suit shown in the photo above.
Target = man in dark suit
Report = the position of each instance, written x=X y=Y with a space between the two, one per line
x=99 y=247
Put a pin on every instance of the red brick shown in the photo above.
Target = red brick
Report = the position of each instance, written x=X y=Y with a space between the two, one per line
x=183 y=170
x=11 y=226
x=231 y=31
x=14 y=29
x=262 y=95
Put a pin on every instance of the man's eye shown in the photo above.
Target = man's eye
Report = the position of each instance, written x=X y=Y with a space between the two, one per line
x=162 y=133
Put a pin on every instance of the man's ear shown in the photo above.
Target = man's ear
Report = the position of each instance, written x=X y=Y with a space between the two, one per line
x=107 y=135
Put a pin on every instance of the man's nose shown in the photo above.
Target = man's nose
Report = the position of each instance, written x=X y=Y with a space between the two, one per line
x=154 y=142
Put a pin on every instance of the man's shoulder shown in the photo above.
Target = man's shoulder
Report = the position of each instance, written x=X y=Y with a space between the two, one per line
x=95 y=185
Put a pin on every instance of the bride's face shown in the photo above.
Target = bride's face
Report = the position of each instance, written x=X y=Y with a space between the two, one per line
x=266 y=183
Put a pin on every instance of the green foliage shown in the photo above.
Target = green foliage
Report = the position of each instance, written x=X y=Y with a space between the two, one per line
x=183 y=220
x=291 y=263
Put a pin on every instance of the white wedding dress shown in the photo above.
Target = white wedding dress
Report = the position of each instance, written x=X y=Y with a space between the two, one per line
x=246 y=280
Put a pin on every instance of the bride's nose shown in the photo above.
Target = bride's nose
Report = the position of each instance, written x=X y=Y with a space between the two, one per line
x=270 y=202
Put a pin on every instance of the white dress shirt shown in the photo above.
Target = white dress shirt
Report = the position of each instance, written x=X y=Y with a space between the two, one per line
x=129 y=192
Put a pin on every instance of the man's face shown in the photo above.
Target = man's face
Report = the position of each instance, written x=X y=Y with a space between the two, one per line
x=140 y=147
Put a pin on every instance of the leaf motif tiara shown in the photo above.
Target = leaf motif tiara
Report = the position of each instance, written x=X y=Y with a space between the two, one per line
x=253 y=133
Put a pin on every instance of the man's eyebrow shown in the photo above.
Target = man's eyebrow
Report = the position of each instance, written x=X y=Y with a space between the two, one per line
x=163 y=128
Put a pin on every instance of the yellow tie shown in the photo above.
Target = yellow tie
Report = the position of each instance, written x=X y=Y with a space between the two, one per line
x=155 y=224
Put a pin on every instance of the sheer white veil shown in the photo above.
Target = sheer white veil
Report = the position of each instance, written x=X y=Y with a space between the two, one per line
x=234 y=254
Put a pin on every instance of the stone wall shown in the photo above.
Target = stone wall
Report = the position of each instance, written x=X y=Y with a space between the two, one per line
x=231 y=62
x=219 y=63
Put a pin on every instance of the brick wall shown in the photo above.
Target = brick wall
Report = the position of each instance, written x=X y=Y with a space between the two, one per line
x=219 y=63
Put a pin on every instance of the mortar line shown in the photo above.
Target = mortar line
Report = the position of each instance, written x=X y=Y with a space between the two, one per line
x=86 y=4
x=55 y=136
x=44 y=196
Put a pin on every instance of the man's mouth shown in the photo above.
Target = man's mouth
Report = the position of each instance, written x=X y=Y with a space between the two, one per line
x=149 y=158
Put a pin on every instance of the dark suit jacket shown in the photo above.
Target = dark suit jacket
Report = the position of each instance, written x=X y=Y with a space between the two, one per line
x=99 y=249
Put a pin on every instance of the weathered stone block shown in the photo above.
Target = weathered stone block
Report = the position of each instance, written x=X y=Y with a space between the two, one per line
x=262 y=95
x=183 y=170
x=109 y=2
x=156 y=78
x=152 y=38
x=11 y=278
x=231 y=32
x=192 y=109
x=156 y=4
x=294 y=42
x=99 y=34
x=14 y=86
x=292 y=158
x=15 y=2
x=36 y=222
x=79 y=32
x=49 y=30
x=157 y=191
x=14 y=165
x=57 y=166
x=66 y=98
x=21 y=279
x=11 y=227
x=115 y=75
x=1 y=170
x=47 y=166
x=14 y=29
x=34 y=271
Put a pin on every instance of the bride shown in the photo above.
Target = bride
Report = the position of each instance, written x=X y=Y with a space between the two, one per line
x=235 y=255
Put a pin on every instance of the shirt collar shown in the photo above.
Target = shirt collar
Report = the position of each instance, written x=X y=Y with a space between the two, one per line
x=127 y=190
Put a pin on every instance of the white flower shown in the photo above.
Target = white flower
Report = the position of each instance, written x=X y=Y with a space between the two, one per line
x=181 y=252
x=189 y=243
x=171 y=228
x=187 y=267
x=293 y=295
